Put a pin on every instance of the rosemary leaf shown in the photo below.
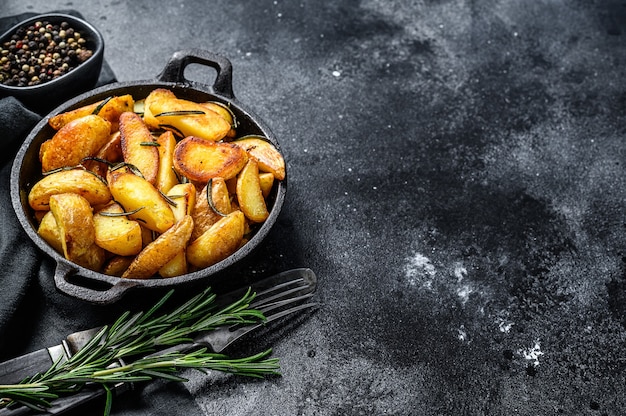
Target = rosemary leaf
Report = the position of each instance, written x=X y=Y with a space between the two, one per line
x=110 y=357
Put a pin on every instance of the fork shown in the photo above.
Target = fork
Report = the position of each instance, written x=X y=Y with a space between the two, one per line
x=276 y=297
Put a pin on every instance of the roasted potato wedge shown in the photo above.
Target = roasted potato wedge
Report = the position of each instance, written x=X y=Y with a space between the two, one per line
x=75 y=141
x=249 y=194
x=74 y=219
x=207 y=211
x=184 y=195
x=200 y=160
x=269 y=158
x=156 y=254
x=138 y=146
x=166 y=177
x=185 y=117
x=115 y=232
x=93 y=258
x=109 y=109
x=78 y=181
x=117 y=265
x=138 y=195
x=108 y=154
x=49 y=231
x=226 y=113
x=218 y=242
x=266 y=180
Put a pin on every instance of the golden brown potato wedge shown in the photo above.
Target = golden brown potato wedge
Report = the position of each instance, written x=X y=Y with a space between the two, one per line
x=205 y=212
x=166 y=177
x=75 y=141
x=138 y=195
x=156 y=254
x=266 y=180
x=109 y=109
x=270 y=159
x=49 y=231
x=227 y=114
x=74 y=220
x=138 y=146
x=249 y=194
x=183 y=116
x=218 y=242
x=184 y=195
x=175 y=267
x=93 y=258
x=110 y=153
x=117 y=265
x=200 y=160
x=115 y=232
x=78 y=181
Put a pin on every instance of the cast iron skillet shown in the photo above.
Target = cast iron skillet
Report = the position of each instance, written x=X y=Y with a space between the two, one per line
x=99 y=288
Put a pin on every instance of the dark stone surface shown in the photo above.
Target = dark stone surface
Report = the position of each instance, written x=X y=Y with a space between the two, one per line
x=456 y=180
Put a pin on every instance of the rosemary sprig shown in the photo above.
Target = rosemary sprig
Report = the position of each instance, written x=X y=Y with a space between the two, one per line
x=103 y=360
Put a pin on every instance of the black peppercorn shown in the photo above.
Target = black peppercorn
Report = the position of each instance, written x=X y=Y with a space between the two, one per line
x=41 y=52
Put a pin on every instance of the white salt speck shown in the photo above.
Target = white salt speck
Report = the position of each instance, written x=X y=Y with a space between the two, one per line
x=336 y=73
x=462 y=334
x=460 y=272
x=306 y=150
x=279 y=15
x=248 y=53
x=464 y=293
x=420 y=269
x=349 y=169
x=533 y=353
x=505 y=327
x=374 y=187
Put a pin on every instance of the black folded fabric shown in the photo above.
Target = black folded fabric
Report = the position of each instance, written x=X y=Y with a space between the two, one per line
x=33 y=314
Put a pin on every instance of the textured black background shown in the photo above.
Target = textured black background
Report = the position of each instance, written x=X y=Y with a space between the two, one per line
x=456 y=180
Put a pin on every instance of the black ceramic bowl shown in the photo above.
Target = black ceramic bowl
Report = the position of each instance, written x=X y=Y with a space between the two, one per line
x=43 y=97
x=95 y=287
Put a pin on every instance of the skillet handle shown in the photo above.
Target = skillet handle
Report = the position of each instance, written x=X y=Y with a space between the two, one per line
x=64 y=274
x=174 y=70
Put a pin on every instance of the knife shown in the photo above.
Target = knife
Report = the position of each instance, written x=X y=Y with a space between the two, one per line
x=17 y=369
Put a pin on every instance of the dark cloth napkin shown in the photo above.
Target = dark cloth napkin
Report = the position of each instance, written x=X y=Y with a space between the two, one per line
x=33 y=314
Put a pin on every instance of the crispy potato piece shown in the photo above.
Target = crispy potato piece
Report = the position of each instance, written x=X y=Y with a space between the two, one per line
x=147 y=236
x=111 y=152
x=166 y=177
x=218 y=242
x=187 y=117
x=249 y=194
x=135 y=193
x=116 y=233
x=78 y=181
x=138 y=146
x=93 y=258
x=74 y=219
x=109 y=110
x=184 y=195
x=160 y=251
x=226 y=113
x=270 y=159
x=204 y=216
x=75 y=141
x=266 y=180
x=200 y=160
x=117 y=265
x=49 y=231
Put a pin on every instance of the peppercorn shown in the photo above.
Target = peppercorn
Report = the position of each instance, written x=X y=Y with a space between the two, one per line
x=41 y=52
